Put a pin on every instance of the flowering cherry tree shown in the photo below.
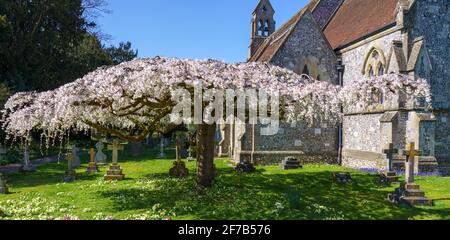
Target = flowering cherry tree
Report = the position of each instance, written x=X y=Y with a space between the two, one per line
x=130 y=100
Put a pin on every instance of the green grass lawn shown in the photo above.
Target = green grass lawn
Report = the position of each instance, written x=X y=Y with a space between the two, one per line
x=270 y=193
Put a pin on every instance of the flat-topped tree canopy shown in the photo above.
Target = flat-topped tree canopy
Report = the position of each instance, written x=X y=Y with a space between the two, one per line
x=130 y=99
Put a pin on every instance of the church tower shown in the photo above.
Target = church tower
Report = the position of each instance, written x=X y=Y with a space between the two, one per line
x=263 y=24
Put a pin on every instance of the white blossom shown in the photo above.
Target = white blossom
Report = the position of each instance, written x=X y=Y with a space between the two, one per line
x=130 y=99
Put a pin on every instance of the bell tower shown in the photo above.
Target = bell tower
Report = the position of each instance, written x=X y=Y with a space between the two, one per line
x=263 y=24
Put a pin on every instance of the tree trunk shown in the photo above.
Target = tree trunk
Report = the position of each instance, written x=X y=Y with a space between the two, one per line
x=178 y=149
x=205 y=155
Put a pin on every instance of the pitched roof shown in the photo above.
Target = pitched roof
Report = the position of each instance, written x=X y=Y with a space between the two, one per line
x=267 y=2
x=356 y=19
x=270 y=46
x=397 y=51
x=417 y=47
x=324 y=10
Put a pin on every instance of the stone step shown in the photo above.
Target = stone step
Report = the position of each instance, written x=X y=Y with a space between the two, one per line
x=413 y=193
x=391 y=179
x=412 y=186
x=114 y=167
x=114 y=172
x=416 y=201
x=390 y=174
x=290 y=167
x=114 y=177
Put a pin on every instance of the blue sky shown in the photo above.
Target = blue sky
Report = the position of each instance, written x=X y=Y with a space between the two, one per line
x=218 y=29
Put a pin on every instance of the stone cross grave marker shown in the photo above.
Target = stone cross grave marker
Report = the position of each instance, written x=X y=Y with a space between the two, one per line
x=409 y=192
x=410 y=154
x=92 y=166
x=114 y=172
x=115 y=147
x=390 y=175
x=92 y=155
x=390 y=151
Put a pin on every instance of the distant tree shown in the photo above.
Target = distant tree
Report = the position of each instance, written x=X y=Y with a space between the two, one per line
x=45 y=44
x=88 y=56
x=122 y=53
x=36 y=39
x=4 y=93
x=130 y=100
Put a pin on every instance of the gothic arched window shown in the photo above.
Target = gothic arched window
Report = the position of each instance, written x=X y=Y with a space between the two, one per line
x=260 y=28
x=375 y=63
x=266 y=28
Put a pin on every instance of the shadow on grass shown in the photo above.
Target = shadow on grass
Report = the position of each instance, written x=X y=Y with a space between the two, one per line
x=294 y=195
x=46 y=175
x=53 y=173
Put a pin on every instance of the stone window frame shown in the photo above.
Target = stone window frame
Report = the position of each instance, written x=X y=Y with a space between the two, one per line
x=373 y=66
x=373 y=63
x=313 y=67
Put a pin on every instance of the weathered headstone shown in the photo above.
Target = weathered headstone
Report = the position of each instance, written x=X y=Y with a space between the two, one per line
x=3 y=187
x=245 y=167
x=114 y=172
x=342 y=177
x=409 y=192
x=390 y=175
x=70 y=175
x=92 y=166
x=100 y=157
x=135 y=148
x=76 y=159
x=179 y=168
x=290 y=163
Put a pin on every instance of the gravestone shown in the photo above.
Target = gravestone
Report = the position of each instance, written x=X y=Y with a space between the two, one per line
x=179 y=168
x=409 y=192
x=100 y=157
x=190 y=158
x=114 y=172
x=70 y=175
x=290 y=163
x=245 y=167
x=342 y=177
x=76 y=159
x=136 y=148
x=27 y=166
x=2 y=151
x=3 y=187
x=92 y=166
x=390 y=175
x=161 y=149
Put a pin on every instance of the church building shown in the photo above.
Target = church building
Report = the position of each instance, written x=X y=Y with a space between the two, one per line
x=340 y=41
